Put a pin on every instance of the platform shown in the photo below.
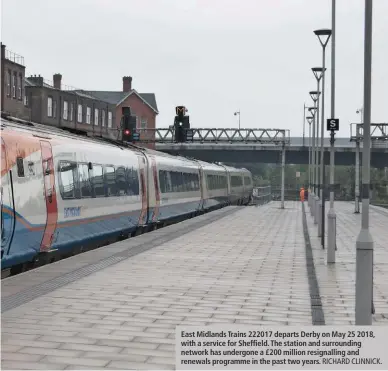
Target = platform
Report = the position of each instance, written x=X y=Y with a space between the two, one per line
x=337 y=281
x=117 y=307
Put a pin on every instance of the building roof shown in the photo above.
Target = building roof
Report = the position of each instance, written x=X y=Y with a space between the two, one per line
x=80 y=93
x=116 y=97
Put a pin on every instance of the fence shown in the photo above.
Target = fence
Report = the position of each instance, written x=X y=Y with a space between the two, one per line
x=261 y=195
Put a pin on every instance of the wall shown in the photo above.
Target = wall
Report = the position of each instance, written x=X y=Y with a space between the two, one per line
x=39 y=112
x=140 y=109
x=11 y=105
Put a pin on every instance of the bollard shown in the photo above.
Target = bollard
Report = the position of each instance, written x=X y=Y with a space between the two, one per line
x=320 y=218
x=316 y=209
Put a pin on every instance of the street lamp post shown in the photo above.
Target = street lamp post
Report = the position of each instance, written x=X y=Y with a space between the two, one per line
x=364 y=243
x=304 y=121
x=309 y=120
x=318 y=73
x=331 y=217
x=323 y=37
x=238 y=113
x=314 y=96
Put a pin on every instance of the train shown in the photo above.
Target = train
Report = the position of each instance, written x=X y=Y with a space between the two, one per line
x=62 y=193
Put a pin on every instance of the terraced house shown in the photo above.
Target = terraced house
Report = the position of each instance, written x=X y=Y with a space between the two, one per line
x=143 y=106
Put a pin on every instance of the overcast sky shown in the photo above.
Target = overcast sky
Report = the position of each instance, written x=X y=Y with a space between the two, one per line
x=214 y=56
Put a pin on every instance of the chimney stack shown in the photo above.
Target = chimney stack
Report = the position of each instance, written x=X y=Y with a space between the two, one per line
x=57 y=78
x=127 y=84
x=2 y=51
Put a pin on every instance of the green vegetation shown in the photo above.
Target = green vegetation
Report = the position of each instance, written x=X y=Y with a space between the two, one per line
x=344 y=178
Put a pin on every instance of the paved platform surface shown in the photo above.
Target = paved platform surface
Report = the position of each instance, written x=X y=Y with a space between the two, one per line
x=337 y=281
x=117 y=307
x=248 y=267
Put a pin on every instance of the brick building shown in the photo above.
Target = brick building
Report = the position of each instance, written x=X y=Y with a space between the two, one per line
x=54 y=104
x=143 y=106
x=12 y=86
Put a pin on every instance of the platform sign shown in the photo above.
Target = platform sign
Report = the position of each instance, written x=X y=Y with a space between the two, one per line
x=332 y=125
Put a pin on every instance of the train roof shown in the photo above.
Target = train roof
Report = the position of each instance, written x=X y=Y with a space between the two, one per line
x=29 y=126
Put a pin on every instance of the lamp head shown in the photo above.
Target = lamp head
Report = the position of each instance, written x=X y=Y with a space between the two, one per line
x=323 y=36
x=318 y=71
x=314 y=95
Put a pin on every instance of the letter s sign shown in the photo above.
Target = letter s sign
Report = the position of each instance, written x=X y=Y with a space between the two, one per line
x=332 y=124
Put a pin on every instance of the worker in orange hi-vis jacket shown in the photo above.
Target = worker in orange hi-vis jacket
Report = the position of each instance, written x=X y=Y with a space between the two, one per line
x=302 y=194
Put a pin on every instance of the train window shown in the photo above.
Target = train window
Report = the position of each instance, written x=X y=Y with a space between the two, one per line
x=110 y=181
x=236 y=181
x=121 y=183
x=133 y=182
x=169 y=181
x=67 y=179
x=186 y=182
x=20 y=166
x=98 y=181
x=163 y=181
x=84 y=180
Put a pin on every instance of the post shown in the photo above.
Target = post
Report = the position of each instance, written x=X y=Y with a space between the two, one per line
x=364 y=244
x=283 y=167
x=357 y=178
x=321 y=226
x=316 y=203
x=304 y=120
x=312 y=201
x=331 y=217
x=309 y=178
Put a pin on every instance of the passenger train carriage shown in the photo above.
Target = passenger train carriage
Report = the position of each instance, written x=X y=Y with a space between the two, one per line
x=61 y=192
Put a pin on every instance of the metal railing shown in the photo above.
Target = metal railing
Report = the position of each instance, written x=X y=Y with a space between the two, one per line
x=222 y=135
x=13 y=57
x=378 y=132
x=261 y=195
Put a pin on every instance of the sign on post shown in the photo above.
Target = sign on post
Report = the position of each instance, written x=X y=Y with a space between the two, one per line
x=332 y=125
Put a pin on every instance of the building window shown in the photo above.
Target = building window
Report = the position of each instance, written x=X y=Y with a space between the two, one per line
x=14 y=85
x=96 y=116
x=26 y=100
x=80 y=113
x=143 y=123
x=54 y=108
x=9 y=83
x=102 y=117
x=20 y=87
x=109 y=119
x=65 y=109
x=88 y=114
x=71 y=111
x=49 y=106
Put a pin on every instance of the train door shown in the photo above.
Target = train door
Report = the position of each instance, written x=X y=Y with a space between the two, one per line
x=7 y=203
x=201 y=186
x=157 y=189
x=143 y=175
x=50 y=195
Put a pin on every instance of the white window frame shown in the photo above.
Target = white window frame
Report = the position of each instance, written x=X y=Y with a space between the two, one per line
x=88 y=114
x=79 y=113
x=65 y=109
x=26 y=100
x=71 y=111
x=96 y=116
x=19 y=76
x=9 y=80
x=13 y=85
x=102 y=117
x=49 y=106
x=143 y=123
x=110 y=117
